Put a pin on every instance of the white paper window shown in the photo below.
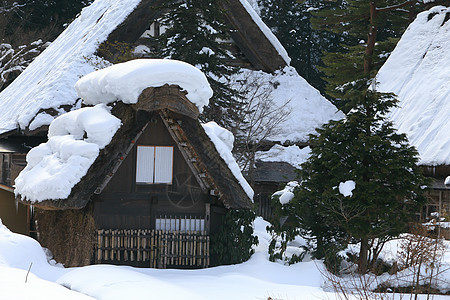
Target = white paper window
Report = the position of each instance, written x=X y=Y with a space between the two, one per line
x=180 y=224
x=163 y=164
x=154 y=164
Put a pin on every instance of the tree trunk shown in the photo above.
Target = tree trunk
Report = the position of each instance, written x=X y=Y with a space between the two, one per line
x=363 y=252
x=371 y=39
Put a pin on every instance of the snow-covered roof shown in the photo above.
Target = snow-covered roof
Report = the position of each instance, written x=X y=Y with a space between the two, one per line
x=75 y=140
x=305 y=109
x=223 y=141
x=267 y=32
x=48 y=81
x=418 y=71
x=126 y=81
x=290 y=154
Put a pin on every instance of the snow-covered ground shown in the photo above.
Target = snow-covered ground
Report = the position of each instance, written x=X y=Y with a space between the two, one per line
x=255 y=279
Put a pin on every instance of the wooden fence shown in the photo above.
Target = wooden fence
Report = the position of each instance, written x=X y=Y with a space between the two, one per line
x=153 y=248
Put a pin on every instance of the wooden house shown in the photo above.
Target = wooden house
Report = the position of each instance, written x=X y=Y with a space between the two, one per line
x=269 y=177
x=154 y=194
x=80 y=49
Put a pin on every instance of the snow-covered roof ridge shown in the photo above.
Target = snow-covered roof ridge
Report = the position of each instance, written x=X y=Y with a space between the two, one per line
x=48 y=81
x=419 y=73
x=267 y=32
x=126 y=81
x=223 y=141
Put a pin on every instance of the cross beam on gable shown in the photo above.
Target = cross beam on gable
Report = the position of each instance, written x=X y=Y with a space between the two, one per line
x=119 y=162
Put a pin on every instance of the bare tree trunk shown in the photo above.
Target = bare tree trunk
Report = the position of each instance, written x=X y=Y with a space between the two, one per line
x=371 y=39
x=363 y=252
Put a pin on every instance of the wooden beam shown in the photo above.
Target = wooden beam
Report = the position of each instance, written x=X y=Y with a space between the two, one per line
x=7 y=188
x=183 y=149
x=119 y=162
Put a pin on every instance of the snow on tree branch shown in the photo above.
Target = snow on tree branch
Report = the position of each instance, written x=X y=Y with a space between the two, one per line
x=14 y=61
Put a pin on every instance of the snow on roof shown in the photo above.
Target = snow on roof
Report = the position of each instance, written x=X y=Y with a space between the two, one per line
x=266 y=31
x=418 y=71
x=306 y=108
x=287 y=193
x=290 y=154
x=75 y=139
x=48 y=81
x=126 y=81
x=223 y=141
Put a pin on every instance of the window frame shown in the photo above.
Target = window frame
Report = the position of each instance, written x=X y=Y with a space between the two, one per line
x=154 y=176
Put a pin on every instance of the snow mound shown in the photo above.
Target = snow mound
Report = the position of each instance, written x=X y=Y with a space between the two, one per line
x=346 y=188
x=48 y=81
x=419 y=73
x=126 y=81
x=20 y=251
x=286 y=194
x=75 y=139
x=290 y=154
x=223 y=141
x=306 y=108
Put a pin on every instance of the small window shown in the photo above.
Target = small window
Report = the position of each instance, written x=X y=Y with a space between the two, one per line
x=187 y=223
x=154 y=164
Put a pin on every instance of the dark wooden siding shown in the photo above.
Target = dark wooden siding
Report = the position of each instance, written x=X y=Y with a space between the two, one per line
x=13 y=215
x=123 y=204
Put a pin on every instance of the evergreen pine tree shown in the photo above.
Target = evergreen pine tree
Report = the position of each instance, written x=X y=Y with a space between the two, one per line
x=364 y=148
x=372 y=29
x=195 y=32
x=24 y=21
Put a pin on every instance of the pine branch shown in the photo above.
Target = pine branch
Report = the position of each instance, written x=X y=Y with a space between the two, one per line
x=394 y=7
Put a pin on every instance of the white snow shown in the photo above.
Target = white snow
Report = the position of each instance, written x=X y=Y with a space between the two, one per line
x=48 y=81
x=223 y=141
x=290 y=154
x=419 y=73
x=307 y=108
x=141 y=50
x=126 y=81
x=346 y=188
x=267 y=32
x=255 y=279
x=447 y=180
x=75 y=139
x=287 y=193
x=40 y=120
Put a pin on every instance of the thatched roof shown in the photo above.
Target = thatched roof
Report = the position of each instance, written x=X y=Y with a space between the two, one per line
x=271 y=171
x=135 y=117
x=51 y=76
x=418 y=72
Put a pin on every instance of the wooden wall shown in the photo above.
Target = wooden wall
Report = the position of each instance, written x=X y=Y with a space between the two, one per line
x=13 y=215
x=123 y=204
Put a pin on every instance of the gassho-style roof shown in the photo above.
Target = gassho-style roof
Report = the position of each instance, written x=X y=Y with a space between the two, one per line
x=86 y=146
x=45 y=89
x=418 y=72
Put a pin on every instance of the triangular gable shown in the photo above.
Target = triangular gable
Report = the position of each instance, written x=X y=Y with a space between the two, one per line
x=191 y=158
